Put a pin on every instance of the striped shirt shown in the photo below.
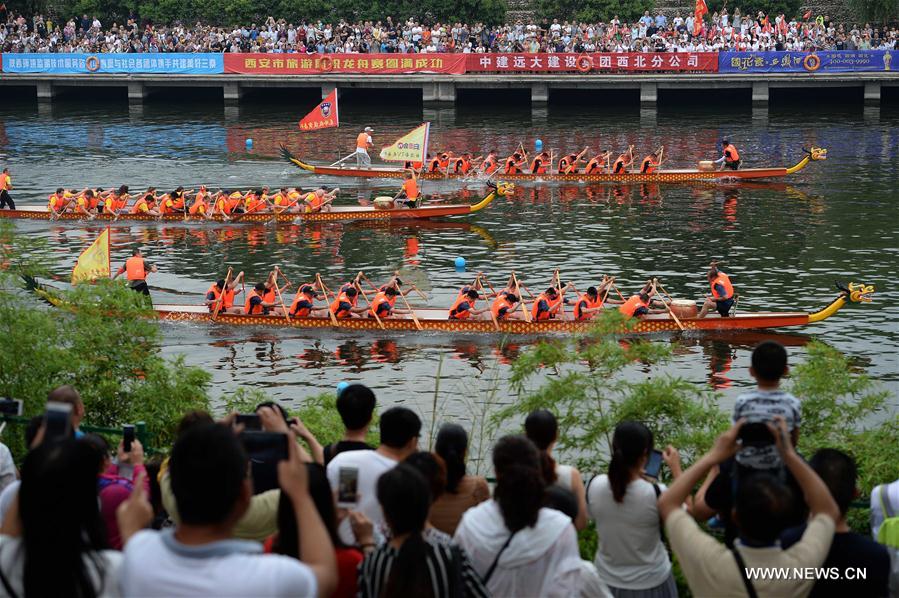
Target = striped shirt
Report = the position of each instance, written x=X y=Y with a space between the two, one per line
x=375 y=571
x=762 y=406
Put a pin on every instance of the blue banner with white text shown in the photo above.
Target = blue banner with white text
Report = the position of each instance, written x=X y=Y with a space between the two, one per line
x=71 y=64
x=845 y=61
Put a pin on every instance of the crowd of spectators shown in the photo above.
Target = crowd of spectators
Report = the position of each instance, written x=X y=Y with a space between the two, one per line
x=658 y=33
x=236 y=511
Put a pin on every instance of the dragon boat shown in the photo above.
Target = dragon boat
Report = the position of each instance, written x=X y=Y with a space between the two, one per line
x=436 y=320
x=381 y=210
x=659 y=176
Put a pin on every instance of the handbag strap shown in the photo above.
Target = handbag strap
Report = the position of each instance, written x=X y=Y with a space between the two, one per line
x=750 y=590
x=492 y=568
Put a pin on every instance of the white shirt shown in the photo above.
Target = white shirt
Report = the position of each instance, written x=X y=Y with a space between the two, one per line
x=6 y=498
x=541 y=561
x=371 y=464
x=891 y=497
x=12 y=563
x=156 y=564
x=630 y=554
x=361 y=150
x=7 y=467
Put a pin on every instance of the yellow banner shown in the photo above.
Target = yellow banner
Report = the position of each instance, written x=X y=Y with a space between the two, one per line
x=411 y=147
x=93 y=263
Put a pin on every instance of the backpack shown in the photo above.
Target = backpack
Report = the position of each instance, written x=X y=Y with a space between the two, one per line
x=888 y=534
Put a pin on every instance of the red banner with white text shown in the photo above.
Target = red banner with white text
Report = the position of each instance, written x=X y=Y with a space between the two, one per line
x=329 y=64
x=458 y=64
x=593 y=62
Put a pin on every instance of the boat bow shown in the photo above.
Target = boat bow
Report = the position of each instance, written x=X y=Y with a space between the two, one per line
x=285 y=153
x=497 y=190
x=853 y=293
x=811 y=155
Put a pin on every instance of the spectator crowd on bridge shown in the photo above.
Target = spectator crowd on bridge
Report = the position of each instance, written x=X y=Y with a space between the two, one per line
x=254 y=505
x=650 y=33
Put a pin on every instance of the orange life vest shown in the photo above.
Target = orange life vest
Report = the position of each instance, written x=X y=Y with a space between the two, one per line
x=550 y=304
x=362 y=141
x=511 y=166
x=342 y=298
x=648 y=166
x=223 y=205
x=498 y=304
x=380 y=299
x=199 y=206
x=731 y=154
x=490 y=164
x=594 y=165
x=463 y=165
x=140 y=204
x=178 y=201
x=134 y=268
x=632 y=305
x=92 y=202
x=618 y=166
x=227 y=297
x=538 y=165
x=314 y=202
x=585 y=303
x=567 y=165
x=303 y=312
x=253 y=309
x=234 y=201
x=55 y=203
x=167 y=205
x=5 y=182
x=724 y=281
x=461 y=315
x=410 y=187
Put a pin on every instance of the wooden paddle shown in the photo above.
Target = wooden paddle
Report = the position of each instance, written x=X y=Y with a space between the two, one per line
x=324 y=289
x=667 y=306
x=221 y=299
x=524 y=309
x=280 y=298
x=561 y=293
x=371 y=307
x=492 y=290
x=411 y=311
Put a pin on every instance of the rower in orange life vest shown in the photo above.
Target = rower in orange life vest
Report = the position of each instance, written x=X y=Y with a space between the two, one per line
x=200 y=205
x=641 y=303
x=86 y=203
x=540 y=164
x=408 y=195
x=344 y=305
x=514 y=164
x=622 y=163
x=504 y=306
x=383 y=304
x=57 y=202
x=303 y=305
x=596 y=163
x=218 y=294
x=722 y=297
x=730 y=157
x=260 y=300
x=548 y=303
x=136 y=270
x=590 y=304
x=146 y=204
x=464 y=163
x=439 y=163
x=568 y=164
x=116 y=201
x=319 y=201
x=650 y=163
x=463 y=307
x=490 y=163
x=363 y=142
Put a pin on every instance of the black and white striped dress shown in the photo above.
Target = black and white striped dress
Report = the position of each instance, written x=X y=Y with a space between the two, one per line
x=375 y=571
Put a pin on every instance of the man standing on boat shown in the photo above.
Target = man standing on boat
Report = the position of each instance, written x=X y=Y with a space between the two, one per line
x=722 y=297
x=5 y=186
x=136 y=269
x=363 y=142
x=730 y=157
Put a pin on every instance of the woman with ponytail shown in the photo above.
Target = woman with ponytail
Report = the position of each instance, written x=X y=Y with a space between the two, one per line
x=407 y=565
x=519 y=547
x=542 y=429
x=463 y=491
x=631 y=557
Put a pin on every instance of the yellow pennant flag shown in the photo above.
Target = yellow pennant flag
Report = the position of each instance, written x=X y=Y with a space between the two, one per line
x=411 y=147
x=93 y=263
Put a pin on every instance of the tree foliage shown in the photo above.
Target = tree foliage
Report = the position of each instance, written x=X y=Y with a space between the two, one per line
x=592 y=11
x=877 y=11
x=750 y=9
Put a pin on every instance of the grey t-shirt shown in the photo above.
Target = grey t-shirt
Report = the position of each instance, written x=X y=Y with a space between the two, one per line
x=762 y=406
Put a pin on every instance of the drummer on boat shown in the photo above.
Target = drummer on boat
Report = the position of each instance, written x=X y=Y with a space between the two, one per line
x=408 y=196
x=730 y=157
x=722 y=296
x=220 y=294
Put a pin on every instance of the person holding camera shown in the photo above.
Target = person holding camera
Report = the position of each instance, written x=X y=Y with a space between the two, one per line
x=114 y=488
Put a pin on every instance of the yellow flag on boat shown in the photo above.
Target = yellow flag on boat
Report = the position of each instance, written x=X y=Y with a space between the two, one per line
x=93 y=263
x=411 y=147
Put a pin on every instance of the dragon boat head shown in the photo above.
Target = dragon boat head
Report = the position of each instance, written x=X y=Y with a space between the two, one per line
x=856 y=293
x=817 y=153
x=504 y=189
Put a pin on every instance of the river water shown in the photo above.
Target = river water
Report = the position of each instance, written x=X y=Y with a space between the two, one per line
x=783 y=243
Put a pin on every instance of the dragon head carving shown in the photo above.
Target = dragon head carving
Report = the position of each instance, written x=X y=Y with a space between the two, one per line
x=817 y=153
x=503 y=189
x=857 y=293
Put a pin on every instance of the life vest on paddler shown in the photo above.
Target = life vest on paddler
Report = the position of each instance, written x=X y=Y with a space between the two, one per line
x=463 y=165
x=434 y=165
x=134 y=268
x=223 y=205
x=618 y=165
x=249 y=308
x=723 y=280
x=382 y=305
x=511 y=165
x=538 y=164
x=144 y=204
x=341 y=306
x=200 y=206
x=410 y=188
x=302 y=305
x=648 y=166
x=461 y=314
x=567 y=164
x=490 y=164
x=234 y=201
x=56 y=202
x=585 y=302
x=502 y=306
x=543 y=306
x=630 y=307
x=731 y=154
x=594 y=166
x=227 y=297
x=313 y=202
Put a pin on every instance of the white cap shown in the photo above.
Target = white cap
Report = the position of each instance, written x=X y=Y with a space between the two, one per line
x=369 y=130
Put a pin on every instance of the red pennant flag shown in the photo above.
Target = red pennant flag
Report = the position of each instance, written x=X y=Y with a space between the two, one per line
x=807 y=15
x=323 y=116
x=701 y=9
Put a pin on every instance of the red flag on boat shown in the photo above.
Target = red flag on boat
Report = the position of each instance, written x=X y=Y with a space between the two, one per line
x=807 y=15
x=701 y=9
x=323 y=116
